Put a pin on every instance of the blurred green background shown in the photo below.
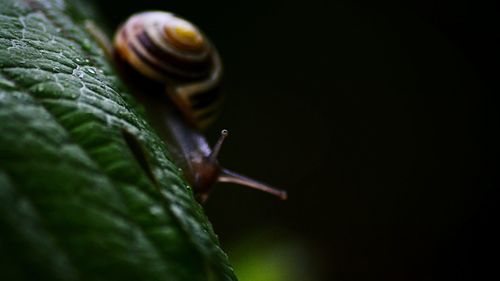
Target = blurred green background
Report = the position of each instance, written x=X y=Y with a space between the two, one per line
x=378 y=117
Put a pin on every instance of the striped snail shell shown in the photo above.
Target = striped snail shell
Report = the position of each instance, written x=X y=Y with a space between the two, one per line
x=170 y=50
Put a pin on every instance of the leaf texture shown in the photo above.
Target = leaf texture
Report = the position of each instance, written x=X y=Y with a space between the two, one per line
x=75 y=204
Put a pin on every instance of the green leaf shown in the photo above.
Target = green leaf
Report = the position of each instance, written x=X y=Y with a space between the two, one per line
x=75 y=202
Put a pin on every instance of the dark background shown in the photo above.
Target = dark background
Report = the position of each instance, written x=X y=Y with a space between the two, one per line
x=378 y=117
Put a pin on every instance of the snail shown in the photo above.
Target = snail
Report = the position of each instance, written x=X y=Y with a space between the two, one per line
x=175 y=70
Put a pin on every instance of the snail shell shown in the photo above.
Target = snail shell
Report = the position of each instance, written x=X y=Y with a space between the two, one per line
x=172 y=51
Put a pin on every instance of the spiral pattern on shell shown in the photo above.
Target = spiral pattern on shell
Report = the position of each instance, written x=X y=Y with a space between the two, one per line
x=168 y=49
x=163 y=46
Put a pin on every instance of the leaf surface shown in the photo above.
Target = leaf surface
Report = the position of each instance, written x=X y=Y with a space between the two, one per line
x=75 y=203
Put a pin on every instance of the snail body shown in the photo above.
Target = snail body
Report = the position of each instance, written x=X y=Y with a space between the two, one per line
x=175 y=71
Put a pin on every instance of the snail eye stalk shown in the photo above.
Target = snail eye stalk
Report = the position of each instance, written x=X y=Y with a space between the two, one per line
x=216 y=150
x=232 y=177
